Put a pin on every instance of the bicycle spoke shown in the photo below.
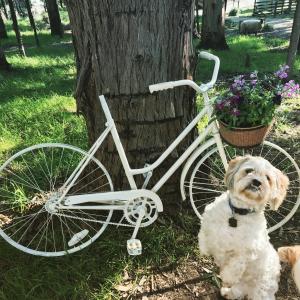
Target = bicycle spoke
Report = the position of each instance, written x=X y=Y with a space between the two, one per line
x=30 y=188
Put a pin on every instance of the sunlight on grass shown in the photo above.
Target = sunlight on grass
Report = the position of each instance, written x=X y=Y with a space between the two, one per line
x=7 y=143
x=259 y=49
x=37 y=106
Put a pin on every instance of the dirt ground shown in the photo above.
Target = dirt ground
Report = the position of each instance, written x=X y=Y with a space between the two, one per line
x=192 y=279
x=197 y=277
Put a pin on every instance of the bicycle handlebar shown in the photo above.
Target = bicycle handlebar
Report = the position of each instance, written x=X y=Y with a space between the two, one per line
x=161 y=86
x=200 y=89
x=216 y=59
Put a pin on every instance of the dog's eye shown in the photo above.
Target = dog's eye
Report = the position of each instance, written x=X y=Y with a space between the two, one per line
x=249 y=170
x=268 y=178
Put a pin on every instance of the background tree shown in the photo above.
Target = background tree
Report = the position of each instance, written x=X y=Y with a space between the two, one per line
x=16 y=27
x=121 y=47
x=20 y=7
x=213 y=30
x=32 y=22
x=4 y=8
x=54 y=18
x=294 y=39
x=4 y=65
x=3 y=33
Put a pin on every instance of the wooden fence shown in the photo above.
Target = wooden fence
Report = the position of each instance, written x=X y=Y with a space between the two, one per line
x=273 y=7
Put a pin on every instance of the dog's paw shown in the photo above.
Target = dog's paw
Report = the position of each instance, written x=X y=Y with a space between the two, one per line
x=231 y=293
x=226 y=293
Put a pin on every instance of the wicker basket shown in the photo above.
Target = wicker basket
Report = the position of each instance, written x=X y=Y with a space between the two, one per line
x=244 y=137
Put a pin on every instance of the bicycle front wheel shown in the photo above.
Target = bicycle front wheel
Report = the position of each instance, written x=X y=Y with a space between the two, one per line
x=207 y=179
x=30 y=181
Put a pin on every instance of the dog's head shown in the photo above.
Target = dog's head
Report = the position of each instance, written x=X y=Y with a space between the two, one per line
x=256 y=182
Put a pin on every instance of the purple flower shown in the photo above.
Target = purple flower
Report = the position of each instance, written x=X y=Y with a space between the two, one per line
x=234 y=100
x=235 y=112
x=285 y=67
x=291 y=89
x=282 y=72
x=220 y=106
x=238 y=84
x=253 y=75
x=254 y=81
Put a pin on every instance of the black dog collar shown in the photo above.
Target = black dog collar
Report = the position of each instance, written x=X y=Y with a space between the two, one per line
x=240 y=211
x=235 y=210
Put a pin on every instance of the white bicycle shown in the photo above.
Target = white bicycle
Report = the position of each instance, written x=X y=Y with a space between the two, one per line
x=56 y=199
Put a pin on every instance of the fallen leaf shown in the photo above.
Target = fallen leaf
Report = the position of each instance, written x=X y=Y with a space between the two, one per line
x=124 y=288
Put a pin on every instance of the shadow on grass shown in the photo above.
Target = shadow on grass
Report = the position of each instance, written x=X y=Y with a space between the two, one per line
x=93 y=272
x=29 y=41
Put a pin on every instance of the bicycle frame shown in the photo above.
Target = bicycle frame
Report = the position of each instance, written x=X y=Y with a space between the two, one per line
x=130 y=173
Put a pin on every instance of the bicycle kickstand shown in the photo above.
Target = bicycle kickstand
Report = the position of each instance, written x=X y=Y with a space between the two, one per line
x=134 y=246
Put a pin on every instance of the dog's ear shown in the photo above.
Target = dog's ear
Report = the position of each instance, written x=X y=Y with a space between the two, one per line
x=282 y=183
x=287 y=254
x=233 y=167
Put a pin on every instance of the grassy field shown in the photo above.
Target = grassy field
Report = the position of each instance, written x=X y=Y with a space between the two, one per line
x=36 y=105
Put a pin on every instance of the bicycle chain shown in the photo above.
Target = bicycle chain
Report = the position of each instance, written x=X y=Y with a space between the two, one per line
x=95 y=221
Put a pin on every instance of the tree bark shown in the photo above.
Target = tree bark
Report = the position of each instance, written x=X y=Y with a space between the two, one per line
x=294 y=39
x=19 y=5
x=4 y=65
x=16 y=28
x=197 y=16
x=32 y=22
x=4 y=8
x=54 y=18
x=213 y=30
x=3 y=33
x=121 y=47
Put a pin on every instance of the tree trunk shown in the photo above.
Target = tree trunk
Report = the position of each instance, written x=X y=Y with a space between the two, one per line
x=3 y=33
x=4 y=8
x=32 y=23
x=54 y=18
x=16 y=28
x=4 y=65
x=197 y=16
x=121 y=47
x=294 y=39
x=213 y=30
x=19 y=5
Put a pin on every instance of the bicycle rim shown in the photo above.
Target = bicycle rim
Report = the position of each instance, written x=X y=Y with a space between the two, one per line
x=30 y=181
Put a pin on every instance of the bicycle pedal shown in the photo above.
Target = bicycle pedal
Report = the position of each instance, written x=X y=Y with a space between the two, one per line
x=134 y=247
x=77 y=237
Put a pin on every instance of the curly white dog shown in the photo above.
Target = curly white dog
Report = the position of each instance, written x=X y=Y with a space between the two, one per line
x=234 y=229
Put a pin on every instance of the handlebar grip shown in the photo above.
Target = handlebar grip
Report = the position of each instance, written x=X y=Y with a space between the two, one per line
x=207 y=55
x=161 y=86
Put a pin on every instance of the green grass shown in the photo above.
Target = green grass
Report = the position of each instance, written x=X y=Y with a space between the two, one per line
x=36 y=105
x=92 y=273
x=36 y=97
x=262 y=57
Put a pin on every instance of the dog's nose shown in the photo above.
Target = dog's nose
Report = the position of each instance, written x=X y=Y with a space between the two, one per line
x=256 y=182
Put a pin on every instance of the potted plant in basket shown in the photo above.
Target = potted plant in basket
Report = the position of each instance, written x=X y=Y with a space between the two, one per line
x=246 y=110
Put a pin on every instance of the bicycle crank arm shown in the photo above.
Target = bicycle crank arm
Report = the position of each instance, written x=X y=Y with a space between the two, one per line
x=113 y=197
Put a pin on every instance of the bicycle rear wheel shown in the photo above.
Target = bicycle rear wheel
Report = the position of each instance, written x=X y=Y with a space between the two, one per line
x=30 y=181
x=207 y=179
